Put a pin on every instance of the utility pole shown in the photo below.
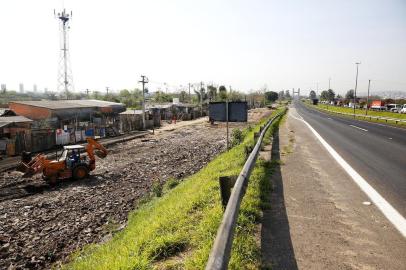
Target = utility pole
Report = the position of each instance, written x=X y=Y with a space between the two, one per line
x=356 y=84
x=369 y=84
x=144 y=80
x=87 y=93
x=190 y=97
x=329 y=80
x=201 y=99
x=107 y=90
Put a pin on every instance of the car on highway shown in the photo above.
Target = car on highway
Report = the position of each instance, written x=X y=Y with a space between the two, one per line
x=394 y=107
x=403 y=109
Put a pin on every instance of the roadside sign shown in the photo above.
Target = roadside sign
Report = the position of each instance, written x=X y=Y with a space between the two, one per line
x=237 y=111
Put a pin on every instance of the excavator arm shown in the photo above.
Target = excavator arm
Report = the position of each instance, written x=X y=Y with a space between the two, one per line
x=95 y=148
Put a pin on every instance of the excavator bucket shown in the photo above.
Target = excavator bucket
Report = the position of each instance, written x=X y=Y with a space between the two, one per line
x=22 y=167
x=26 y=158
x=32 y=167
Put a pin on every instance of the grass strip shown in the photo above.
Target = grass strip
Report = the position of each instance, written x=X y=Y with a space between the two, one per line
x=177 y=230
x=337 y=109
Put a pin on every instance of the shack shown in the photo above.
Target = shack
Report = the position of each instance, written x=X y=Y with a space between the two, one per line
x=15 y=135
x=131 y=120
x=68 y=121
x=181 y=111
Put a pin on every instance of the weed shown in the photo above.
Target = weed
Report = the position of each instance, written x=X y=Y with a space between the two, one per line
x=157 y=188
x=171 y=183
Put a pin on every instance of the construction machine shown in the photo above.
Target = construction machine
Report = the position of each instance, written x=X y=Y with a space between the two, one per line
x=72 y=163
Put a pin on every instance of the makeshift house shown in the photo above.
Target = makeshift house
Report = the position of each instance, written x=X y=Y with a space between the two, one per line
x=15 y=135
x=69 y=121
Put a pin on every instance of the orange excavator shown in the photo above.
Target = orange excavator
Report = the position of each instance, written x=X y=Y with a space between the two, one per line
x=72 y=163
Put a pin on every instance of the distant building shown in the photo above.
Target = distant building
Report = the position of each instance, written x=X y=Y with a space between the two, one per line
x=21 y=88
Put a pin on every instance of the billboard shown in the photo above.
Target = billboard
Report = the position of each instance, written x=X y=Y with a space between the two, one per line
x=237 y=111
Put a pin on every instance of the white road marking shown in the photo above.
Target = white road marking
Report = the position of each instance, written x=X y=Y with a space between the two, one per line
x=358 y=128
x=388 y=210
x=390 y=138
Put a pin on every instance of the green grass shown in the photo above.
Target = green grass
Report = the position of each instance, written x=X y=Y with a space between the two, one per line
x=362 y=112
x=177 y=230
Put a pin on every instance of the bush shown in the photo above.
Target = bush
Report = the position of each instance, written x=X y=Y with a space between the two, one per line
x=236 y=137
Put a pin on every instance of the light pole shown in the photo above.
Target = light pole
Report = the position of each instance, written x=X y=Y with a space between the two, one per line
x=369 y=84
x=356 y=84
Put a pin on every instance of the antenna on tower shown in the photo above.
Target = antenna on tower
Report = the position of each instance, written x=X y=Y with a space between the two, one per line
x=65 y=81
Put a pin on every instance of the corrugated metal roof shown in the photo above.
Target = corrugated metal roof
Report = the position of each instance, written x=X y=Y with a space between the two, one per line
x=68 y=104
x=13 y=119
x=94 y=103
x=133 y=112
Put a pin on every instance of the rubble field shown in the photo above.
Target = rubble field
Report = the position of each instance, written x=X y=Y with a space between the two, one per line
x=41 y=225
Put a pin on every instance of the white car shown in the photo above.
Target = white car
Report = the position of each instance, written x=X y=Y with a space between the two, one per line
x=394 y=107
x=403 y=110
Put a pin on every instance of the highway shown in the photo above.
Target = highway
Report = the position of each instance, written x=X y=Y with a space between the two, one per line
x=377 y=152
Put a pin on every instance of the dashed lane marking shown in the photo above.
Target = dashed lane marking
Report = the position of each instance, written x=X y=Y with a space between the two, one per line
x=358 y=128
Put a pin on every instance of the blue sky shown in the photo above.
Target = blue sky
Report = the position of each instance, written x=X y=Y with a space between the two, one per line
x=246 y=44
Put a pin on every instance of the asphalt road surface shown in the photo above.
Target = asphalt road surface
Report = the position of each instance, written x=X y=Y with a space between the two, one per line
x=377 y=152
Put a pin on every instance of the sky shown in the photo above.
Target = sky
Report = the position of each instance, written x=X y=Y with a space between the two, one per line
x=243 y=44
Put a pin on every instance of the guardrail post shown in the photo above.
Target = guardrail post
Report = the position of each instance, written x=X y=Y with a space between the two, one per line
x=256 y=136
x=225 y=190
x=226 y=183
x=248 y=150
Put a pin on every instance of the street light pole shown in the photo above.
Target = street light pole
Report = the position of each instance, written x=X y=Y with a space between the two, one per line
x=369 y=84
x=356 y=84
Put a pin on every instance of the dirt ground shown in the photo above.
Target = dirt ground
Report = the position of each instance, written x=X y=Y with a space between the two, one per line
x=41 y=225
x=318 y=218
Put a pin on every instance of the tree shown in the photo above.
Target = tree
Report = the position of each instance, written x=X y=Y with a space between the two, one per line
x=183 y=96
x=339 y=96
x=281 y=95
x=235 y=96
x=222 y=93
x=312 y=95
x=287 y=94
x=330 y=95
x=324 y=95
x=271 y=96
x=349 y=94
x=212 y=92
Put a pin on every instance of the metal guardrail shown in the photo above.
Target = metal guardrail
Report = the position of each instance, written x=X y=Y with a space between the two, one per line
x=221 y=250
x=396 y=120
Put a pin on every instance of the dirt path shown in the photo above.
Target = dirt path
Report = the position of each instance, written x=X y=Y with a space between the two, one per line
x=46 y=226
x=318 y=219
